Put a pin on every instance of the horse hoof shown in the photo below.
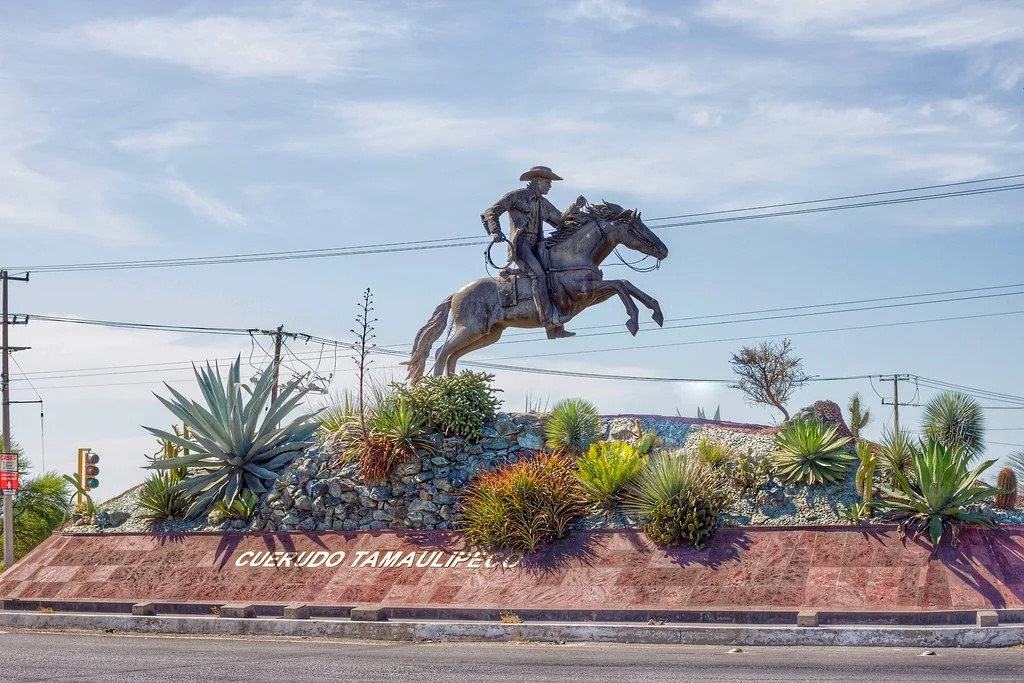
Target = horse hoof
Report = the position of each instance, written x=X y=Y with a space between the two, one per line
x=658 y=318
x=633 y=327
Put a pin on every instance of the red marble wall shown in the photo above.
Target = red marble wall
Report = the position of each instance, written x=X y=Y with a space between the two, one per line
x=835 y=568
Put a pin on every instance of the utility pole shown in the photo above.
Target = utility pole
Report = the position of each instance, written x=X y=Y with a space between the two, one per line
x=277 y=362
x=895 y=379
x=5 y=389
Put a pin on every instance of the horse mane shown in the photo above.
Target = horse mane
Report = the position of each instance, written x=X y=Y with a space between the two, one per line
x=580 y=218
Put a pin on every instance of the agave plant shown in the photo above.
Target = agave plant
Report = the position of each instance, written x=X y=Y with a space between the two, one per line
x=942 y=497
x=810 y=452
x=956 y=420
x=897 y=455
x=235 y=446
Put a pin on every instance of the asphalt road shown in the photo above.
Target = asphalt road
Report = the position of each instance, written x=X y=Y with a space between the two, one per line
x=27 y=656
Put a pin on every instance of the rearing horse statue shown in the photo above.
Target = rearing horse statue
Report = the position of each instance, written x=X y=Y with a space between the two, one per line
x=481 y=311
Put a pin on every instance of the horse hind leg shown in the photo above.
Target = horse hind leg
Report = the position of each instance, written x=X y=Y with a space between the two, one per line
x=463 y=337
x=486 y=340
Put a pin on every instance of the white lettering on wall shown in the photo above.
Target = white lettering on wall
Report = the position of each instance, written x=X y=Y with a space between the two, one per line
x=380 y=559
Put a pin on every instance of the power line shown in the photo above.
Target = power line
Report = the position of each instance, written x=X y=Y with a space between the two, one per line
x=839 y=199
x=144 y=326
x=763 y=336
x=463 y=241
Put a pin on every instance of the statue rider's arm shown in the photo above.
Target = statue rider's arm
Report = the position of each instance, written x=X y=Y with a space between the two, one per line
x=492 y=213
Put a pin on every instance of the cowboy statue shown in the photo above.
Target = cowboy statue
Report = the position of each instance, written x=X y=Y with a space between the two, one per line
x=528 y=210
x=558 y=276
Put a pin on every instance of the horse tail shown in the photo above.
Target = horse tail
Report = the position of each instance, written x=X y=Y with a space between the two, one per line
x=425 y=338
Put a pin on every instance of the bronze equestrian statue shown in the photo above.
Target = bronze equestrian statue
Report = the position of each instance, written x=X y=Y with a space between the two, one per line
x=563 y=266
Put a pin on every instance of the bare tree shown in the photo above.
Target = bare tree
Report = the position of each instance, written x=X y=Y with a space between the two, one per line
x=768 y=374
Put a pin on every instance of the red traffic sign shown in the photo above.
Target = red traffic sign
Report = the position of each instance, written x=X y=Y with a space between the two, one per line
x=8 y=462
x=9 y=481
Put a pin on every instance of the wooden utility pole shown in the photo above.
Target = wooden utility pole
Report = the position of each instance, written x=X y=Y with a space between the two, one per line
x=5 y=389
x=895 y=379
x=277 y=362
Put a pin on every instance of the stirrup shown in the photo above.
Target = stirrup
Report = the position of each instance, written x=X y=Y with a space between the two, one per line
x=559 y=332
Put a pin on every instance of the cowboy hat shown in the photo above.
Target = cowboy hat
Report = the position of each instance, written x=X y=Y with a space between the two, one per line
x=540 y=172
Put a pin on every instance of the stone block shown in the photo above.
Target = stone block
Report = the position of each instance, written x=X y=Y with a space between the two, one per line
x=144 y=609
x=238 y=610
x=807 y=618
x=987 y=618
x=368 y=614
x=296 y=611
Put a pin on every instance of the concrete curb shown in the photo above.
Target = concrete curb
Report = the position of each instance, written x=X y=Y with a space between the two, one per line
x=457 y=631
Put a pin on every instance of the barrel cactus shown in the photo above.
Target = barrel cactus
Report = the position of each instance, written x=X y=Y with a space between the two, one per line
x=1007 y=481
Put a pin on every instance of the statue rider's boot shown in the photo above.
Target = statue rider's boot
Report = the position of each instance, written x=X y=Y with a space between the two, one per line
x=550 y=317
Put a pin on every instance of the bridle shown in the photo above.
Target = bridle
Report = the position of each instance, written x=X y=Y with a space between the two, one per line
x=634 y=230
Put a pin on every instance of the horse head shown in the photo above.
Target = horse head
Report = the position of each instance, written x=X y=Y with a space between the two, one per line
x=633 y=233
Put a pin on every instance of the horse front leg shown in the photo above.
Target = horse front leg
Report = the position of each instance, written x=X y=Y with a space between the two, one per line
x=647 y=300
x=605 y=288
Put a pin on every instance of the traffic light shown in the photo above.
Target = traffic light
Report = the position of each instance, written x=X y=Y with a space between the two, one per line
x=88 y=468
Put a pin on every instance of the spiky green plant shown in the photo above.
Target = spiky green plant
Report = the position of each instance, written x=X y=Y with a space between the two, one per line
x=868 y=456
x=396 y=434
x=897 y=455
x=859 y=417
x=676 y=497
x=242 y=509
x=605 y=470
x=456 y=404
x=714 y=455
x=956 y=420
x=162 y=499
x=235 y=444
x=809 y=452
x=943 y=495
x=573 y=425
x=1016 y=462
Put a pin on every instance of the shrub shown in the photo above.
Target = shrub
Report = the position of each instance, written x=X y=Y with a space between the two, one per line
x=956 y=420
x=231 y=446
x=811 y=453
x=1007 y=482
x=523 y=506
x=573 y=425
x=676 y=498
x=942 y=496
x=605 y=470
x=453 y=404
x=162 y=499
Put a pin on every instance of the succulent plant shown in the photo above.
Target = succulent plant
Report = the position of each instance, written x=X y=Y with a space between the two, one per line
x=234 y=444
x=868 y=457
x=956 y=420
x=573 y=425
x=809 y=452
x=1007 y=481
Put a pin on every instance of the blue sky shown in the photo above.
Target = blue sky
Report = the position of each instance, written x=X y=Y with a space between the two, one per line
x=156 y=130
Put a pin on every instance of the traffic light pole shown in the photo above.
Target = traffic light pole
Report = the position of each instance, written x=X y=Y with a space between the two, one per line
x=5 y=389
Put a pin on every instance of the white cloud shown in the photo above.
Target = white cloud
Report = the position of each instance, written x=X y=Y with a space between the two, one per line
x=203 y=206
x=165 y=138
x=305 y=44
x=616 y=15
x=395 y=127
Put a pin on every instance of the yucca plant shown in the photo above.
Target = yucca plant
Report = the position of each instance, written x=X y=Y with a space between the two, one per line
x=676 y=497
x=573 y=425
x=605 y=470
x=809 y=452
x=956 y=420
x=523 y=506
x=235 y=445
x=943 y=495
x=897 y=455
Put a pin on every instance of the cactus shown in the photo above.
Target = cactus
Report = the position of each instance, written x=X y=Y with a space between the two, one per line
x=866 y=473
x=858 y=418
x=1007 y=481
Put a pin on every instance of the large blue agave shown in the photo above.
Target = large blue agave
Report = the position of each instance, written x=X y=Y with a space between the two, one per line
x=235 y=446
